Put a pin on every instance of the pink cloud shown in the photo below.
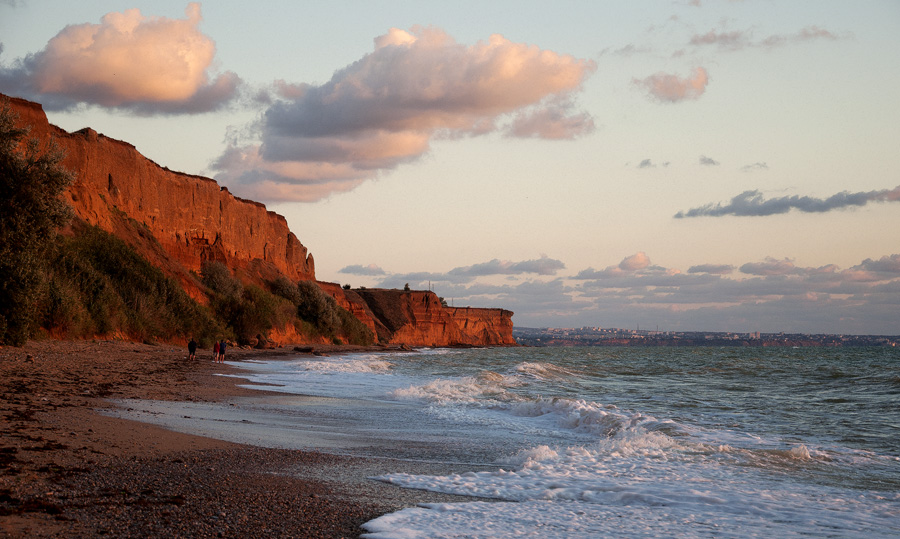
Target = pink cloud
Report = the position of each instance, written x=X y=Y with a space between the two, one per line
x=384 y=109
x=672 y=88
x=551 y=122
x=149 y=64
x=628 y=266
x=637 y=261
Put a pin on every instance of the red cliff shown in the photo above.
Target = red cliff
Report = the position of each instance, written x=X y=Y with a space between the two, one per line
x=418 y=318
x=178 y=221
x=191 y=217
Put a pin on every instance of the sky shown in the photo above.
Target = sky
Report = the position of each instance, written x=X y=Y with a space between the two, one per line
x=682 y=165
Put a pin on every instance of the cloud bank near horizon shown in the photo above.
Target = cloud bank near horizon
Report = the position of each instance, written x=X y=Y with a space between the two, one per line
x=145 y=64
x=752 y=203
x=769 y=295
x=385 y=109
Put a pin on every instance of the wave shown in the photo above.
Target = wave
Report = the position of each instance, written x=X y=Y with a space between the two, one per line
x=544 y=371
x=487 y=389
x=602 y=420
x=344 y=365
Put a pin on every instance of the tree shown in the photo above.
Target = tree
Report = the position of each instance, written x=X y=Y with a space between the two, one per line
x=31 y=211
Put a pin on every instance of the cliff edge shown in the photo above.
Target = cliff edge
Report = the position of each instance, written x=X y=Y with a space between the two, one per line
x=179 y=221
x=191 y=217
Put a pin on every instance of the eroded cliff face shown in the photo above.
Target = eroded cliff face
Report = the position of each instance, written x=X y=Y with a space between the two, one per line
x=418 y=318
x=178 y=221
x=192 y=217
x=479 y=327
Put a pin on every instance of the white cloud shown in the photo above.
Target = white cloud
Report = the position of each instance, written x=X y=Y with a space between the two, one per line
x=384 y=110
x=130 y=61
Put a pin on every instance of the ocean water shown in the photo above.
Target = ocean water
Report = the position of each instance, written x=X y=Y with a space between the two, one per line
x=617 y=442
x=594 y=442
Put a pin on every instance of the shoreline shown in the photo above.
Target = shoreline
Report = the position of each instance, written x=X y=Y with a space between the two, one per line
x=66 y=469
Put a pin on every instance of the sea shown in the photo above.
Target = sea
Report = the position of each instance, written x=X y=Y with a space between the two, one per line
x=593 y=442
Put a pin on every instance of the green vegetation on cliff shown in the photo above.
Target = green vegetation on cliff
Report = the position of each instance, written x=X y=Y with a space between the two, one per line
x=98 y=285
x=31 y=181
x=91 y=283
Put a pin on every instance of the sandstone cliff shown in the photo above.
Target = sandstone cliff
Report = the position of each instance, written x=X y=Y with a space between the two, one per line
x=418 y=318
x=178 y=221
x=191 y=217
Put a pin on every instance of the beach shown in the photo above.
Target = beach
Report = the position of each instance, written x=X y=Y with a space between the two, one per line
x=115 y=439
x=70 y=471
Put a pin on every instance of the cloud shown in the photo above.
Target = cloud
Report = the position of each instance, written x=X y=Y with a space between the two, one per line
x=385 y=109
x=810 y=33
x=371 y=269
x=777 y=295
x=457 y=278
x=145 y=64
x=771 y=266
x=727 y=40
x=870 y=271
x=715 y=269
x=541 y=266
x=635 y=262
x=672 y=88
x=648 y=163
x=752 y=203
x=630 y=264
x=754 y=167
x=626 y=51
x=708 y=161
x=735 y=40
x=886 y=264
x=551 y=122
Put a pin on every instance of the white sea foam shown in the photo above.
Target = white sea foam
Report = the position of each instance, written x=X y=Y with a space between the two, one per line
x=586 y=416
x=337 y=376
x=655 y=482
x=487 y=389
x=579 y=520
x=584 y=467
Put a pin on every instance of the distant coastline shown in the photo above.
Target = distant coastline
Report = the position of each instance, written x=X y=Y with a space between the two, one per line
x=595 y=336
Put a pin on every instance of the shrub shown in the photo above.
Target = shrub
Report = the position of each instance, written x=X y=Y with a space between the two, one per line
x=31 y=181
x=330 y=319
x=217 y=277
x=247 y=310
x=98 y=284
x=286 y=289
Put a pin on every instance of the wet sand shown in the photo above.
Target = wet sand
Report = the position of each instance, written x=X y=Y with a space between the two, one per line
x=67 y=470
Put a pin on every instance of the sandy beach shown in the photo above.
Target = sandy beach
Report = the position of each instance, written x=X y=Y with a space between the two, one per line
x=68 y=471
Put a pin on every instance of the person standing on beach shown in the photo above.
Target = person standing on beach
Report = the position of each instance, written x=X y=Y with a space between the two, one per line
x=192 y=349
x=222 y=347
x=216 y=352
